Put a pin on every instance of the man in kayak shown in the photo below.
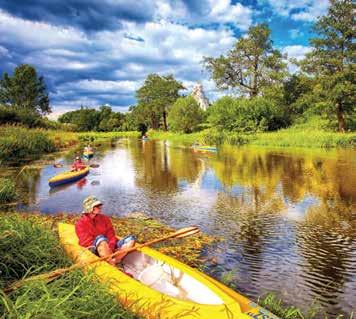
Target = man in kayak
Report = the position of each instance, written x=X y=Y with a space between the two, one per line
x=78 y=165
x=95 y=231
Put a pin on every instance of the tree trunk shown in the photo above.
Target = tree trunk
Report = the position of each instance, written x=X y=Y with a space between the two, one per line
x=165 y=121
x=340 y=118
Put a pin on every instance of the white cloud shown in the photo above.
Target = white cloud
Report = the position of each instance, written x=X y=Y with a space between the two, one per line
x=224 y=11
x=38 y=34
x=312 y=12
x=297 y=52
x=101 y=86
x=214 y=11
x=300 y=10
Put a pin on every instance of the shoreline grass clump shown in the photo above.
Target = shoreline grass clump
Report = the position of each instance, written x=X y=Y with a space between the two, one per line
x=28 y=246
x=7 y=190
x=19 y=144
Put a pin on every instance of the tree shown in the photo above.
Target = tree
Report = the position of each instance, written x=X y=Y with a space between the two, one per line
x=25 y=90
x=156 y=95
x=332 y=59
x=185 y=115
x=250 y=66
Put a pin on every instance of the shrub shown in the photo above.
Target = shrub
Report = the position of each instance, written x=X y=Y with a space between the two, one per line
x=185 y=115
x=246 y=115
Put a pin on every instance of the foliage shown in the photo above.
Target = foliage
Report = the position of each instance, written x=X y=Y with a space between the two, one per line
x=331 y=61
x=25 y=89
x=252 y=65
x=7 y=190
x=155 y=97
x=19 y=144
x=24 y=116
x=243 y=115
x=185 y=115
x=88 y=119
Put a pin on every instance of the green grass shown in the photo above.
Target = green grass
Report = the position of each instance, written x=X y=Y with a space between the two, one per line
x=291 y=137
x=28 y=247
x=7 y=190
x=19 y=144
x=278 y=307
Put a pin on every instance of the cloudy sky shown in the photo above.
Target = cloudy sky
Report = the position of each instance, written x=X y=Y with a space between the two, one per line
x=95 y=52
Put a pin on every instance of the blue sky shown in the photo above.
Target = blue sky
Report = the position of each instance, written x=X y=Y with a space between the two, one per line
x=99 y=52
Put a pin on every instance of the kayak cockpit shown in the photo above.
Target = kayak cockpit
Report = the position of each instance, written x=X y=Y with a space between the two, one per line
x=167 y=279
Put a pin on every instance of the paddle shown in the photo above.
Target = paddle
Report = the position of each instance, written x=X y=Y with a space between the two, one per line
x=181 y=233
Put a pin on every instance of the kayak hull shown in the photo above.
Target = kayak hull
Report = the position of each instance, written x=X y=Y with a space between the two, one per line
x=146 y=299
x=68 y=177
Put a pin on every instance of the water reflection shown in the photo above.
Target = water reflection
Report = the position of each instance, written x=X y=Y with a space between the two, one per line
x=288 y=217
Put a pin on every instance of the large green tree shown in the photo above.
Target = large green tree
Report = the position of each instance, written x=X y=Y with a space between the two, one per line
x=156 y=95
x=185 y=115
x=25 y=90
x=250 y=66
x=332 y=61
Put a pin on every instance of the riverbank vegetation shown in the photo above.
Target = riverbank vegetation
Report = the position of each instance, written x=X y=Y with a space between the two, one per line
x=19 y=144
x=291 y=137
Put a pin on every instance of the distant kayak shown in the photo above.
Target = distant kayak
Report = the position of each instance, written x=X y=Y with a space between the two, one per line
x=154 y=285
x=68 y=177
x=205 y=148
x=88 y=154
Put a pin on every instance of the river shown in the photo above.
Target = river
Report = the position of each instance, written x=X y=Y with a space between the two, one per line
x=287 y=216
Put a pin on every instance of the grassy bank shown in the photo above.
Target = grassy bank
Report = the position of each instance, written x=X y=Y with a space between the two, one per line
x=28 y=246
x=19 y=144
x=291 y=137
x=35 y=249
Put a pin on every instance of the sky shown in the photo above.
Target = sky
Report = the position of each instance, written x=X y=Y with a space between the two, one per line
x=94 y=53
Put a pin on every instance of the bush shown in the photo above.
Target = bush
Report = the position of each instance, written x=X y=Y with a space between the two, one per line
x=185 y=115
x=243 y=115
x=29 y=118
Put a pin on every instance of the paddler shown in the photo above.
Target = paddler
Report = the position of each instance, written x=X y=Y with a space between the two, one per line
x=78 y=165
x=95 y=231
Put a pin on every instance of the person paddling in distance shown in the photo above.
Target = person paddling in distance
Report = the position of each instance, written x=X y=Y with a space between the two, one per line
x=95 y=231
x=78 y=165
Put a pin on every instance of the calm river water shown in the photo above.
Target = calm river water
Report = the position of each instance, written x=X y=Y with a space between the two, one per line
x=288 y=217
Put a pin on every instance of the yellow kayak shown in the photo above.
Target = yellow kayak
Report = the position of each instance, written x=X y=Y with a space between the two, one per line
x=68 y=177
x=154 y=285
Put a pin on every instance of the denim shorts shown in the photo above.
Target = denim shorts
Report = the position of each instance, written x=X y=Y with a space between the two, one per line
x=124 y=240
x=101 y=238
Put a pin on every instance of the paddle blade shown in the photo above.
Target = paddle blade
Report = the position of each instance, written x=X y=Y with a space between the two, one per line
x=187 y=231
x=94 y=165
